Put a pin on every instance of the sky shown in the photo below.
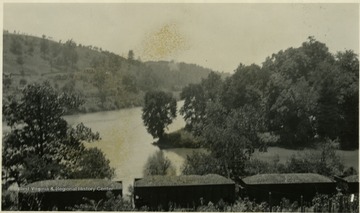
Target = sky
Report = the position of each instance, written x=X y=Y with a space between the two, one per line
x=217 y=36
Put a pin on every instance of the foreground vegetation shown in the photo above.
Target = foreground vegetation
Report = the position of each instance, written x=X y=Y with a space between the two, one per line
x=320 y=203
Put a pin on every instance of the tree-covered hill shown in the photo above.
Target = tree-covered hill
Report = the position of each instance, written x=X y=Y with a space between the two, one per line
x=105 y=80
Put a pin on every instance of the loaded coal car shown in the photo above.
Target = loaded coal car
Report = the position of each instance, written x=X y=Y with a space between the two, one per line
x=188 y=191
x=60 y=194
x=274 y=187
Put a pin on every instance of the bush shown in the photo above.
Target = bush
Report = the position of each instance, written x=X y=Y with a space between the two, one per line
x=201 y=164
x=23 y=82
x=8 y=201
x=256 y=166
x=158 y=164
x=92 y=163
x=335 y=203
x=323 y=161
x=179 y=139
x=112 y=203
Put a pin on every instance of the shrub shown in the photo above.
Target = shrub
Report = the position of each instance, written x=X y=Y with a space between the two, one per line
x=256 y=166
x=22 y=82
x=8 y=201
x=111 y=203
x=158 y=164
x=201 y=164
x=323 y=161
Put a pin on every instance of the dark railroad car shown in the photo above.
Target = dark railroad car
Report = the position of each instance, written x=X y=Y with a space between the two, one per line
x=60 y=194
x=352 y=183
x=188 y=191
x=291 y=186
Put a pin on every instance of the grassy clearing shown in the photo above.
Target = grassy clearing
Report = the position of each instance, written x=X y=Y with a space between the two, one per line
x=349 y=158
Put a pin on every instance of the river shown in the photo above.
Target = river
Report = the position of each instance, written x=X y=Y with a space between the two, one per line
x=126 y=143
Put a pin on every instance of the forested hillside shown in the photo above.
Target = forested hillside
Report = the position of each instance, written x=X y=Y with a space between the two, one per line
x=105 y=80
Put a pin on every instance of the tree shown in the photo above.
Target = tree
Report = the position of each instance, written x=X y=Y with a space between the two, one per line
x=212 y=85
x=31 y=48
x=348 y=84
x=246 y=86
x=227 y=136
x=194 y=106
x=16 y=46
x=158 y=112
x=328 y=115
x=131 y=55
x=7 y=82
x=44 y=45
x=129 y=82
x=41 y=145
x=201 y=164
x=20 y=61
x=292 y=94
x=92 y=163
x=158 y=164
x=69 y=53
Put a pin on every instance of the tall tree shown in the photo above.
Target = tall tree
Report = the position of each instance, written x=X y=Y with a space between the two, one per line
x=328 y=114
x=293 y=91
x=40 y=144
x=44 y=45
x=194 y=106
x=158 y=112
x=16 y=46
x=244 y=87
x=131 y=55
x=69 y=53
x=226 y=135
x=212 y=85
x=348 y=84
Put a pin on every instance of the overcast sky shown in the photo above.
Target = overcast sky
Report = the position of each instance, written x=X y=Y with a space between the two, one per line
x=218 y=36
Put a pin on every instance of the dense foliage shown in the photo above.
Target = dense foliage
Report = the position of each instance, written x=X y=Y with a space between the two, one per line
x=158 y=112
x=41 y=145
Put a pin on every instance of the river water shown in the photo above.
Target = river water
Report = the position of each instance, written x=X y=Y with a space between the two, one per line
x=126 y=143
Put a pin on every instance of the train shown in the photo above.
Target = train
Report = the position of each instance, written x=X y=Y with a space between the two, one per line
x=183 y=192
